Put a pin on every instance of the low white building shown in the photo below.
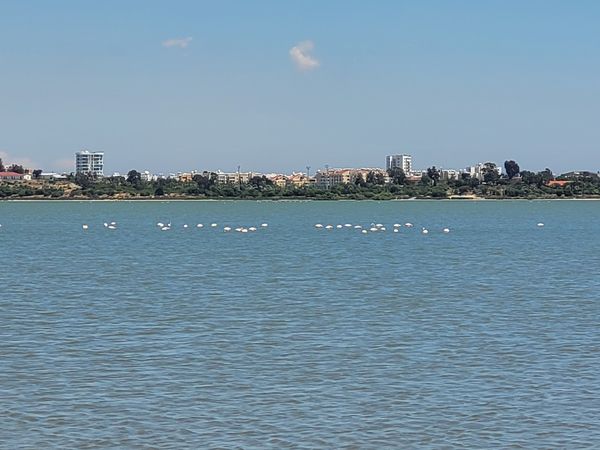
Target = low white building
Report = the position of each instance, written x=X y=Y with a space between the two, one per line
x=52 y=176
x=147 y=176
x=450 y=174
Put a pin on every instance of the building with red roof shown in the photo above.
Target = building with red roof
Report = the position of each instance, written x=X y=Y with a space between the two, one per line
x=11 y=176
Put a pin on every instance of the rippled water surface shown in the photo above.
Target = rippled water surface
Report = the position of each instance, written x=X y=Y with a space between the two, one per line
x=294 y=337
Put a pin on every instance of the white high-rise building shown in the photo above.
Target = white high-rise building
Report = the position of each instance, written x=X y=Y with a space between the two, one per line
x=403 y=162
x=89 y=163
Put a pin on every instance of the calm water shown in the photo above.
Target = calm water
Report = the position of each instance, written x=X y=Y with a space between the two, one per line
x=292 y=337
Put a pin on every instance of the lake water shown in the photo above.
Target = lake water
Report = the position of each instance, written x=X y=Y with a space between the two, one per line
x=294 y=337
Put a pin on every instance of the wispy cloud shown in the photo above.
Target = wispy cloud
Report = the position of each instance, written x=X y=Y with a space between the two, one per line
x=177 y=42
x=301 y=55
x=8 y=159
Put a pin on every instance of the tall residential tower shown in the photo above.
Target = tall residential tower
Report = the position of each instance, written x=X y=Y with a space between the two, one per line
x=403 y=162
x=89 y=163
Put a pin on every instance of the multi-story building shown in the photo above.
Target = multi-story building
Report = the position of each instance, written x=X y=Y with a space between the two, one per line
x=449 y=174
x=478 y=171
x=299 y=179
x=184 y=177
x=403 y=162
x=331 y=177
x=278 y=179
x=475 y=172
x=235 y=177
x=89 y=163
x=364 y=173
x=296 y=179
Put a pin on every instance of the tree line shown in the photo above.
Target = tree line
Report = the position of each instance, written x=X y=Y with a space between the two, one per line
x=513 y=183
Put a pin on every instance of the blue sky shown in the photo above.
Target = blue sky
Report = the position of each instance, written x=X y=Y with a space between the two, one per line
x=170 y=86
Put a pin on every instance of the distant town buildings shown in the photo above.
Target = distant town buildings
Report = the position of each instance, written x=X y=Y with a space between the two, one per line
x=89 y=163
x=92 y=163
x=403 y=162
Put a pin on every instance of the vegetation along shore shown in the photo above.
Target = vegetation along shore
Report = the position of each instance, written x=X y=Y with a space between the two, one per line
x=524 y=184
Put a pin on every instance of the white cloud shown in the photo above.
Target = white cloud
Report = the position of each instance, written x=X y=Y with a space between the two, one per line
x=179 y=42
x=301 y=55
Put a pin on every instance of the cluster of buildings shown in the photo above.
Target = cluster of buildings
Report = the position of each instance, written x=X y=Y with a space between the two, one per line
x=235 y=178
x=28 y=175
x=92 y=163
x=85 y=162
x=331 y=177
x=328 y=177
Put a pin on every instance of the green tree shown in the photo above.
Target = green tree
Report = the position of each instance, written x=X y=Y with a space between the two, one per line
x=205 y=181
x=36 y=173
x=397 y=175
x=2 y=168
x=375 y=178
x=370 y=177
x=512 y=169
x=359 y=180
x=17 y=168
x=528 y=177
x=260 y=182
x=544 y=176
x=134 y=177
x=490 y=173
x=434 y=175
x=83 y=180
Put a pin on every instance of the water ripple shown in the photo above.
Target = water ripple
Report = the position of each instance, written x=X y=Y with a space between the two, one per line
x=297 y=338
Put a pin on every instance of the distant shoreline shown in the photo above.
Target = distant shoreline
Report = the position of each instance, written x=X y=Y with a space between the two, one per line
x=82 y=188
x=290 y=200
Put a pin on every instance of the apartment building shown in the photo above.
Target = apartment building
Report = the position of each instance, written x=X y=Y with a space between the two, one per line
x=89 y=163
x=403 y=162
x=331 y=177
